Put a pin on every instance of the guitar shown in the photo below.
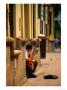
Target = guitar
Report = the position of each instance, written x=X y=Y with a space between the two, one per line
x=30 y=62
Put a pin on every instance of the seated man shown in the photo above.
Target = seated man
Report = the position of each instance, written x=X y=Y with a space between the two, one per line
x=30 y=63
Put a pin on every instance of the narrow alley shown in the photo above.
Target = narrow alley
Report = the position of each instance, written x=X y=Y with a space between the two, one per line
x=33 y=33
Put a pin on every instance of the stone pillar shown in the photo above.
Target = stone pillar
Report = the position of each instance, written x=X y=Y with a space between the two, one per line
x=23 y=21
x=51 y=38
x=52 y=24
x=30 y=21
x=9 y=61
x=7 y=20
x=27 y=20
x=38 y=28
x=18 y=21
x=35 y=14
x=19 y=62
x=47 y=27
x=15 y=62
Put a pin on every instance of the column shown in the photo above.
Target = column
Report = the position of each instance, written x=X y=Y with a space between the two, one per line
x=18 y=20
x=51 y=38
x=9 y=61
x=38 y=27
x=20 y=62
x=7 y=20
x=52 y=24
x=31 y=21
x=35 y=12
x=47 y=26
x=23 y=21
x=26 y=18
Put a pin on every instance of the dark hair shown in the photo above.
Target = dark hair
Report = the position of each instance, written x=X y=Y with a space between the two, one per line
x=28 y=46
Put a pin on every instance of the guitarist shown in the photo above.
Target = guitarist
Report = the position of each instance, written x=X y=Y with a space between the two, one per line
x=30 y=63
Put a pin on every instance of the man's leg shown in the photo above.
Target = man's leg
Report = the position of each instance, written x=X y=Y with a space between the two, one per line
x=29 y=71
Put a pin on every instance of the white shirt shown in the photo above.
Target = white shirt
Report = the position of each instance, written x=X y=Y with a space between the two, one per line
x=28 y=52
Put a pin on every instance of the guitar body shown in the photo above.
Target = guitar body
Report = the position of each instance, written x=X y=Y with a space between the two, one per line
x=30 y=63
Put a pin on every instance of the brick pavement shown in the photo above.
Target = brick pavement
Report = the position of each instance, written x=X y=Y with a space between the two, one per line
x=50 y=65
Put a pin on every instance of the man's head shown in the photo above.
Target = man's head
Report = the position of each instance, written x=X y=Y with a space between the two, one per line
x=29 y=47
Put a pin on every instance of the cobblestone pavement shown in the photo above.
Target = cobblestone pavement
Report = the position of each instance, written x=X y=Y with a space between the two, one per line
x=50 y=65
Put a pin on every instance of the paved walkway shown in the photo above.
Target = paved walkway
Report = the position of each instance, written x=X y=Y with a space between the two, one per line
x=50 y=65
